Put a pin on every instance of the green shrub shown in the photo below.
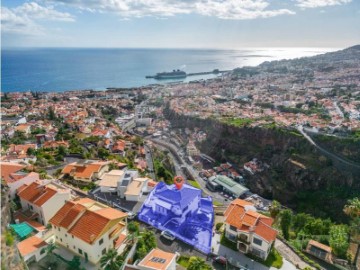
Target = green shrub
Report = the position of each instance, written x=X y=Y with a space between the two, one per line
x=218 y=225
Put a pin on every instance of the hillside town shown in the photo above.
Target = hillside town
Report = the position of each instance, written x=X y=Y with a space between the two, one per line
x=88 y=176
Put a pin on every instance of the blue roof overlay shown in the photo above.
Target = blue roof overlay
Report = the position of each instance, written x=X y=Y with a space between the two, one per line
x=183 y=212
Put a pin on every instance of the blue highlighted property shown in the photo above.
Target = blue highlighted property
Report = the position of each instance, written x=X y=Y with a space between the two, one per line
x=183 y=212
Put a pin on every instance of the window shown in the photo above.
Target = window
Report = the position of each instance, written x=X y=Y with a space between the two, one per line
x=80 y=251
x=56 y=237
x=257 y=241
x=101 y=241
x=59 y=229
x=72 y=237
x=233 y=228
x=103 y=251
x=61 y=239
x=65 y=235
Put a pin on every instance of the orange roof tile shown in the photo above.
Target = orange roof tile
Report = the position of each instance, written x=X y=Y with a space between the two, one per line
x=83 y=170
x=89 y=226
x=245 y=219
x=72 y=215
x=61 y=214
x=111 y=213
x=150 y=262
x=36 y=193
x=319 y=245
x=30 y=245
x=91 y=218
x=8 y=168
x=265 y=231
x=121 y=239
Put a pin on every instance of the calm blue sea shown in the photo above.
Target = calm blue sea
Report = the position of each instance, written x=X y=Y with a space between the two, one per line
x=71 y=69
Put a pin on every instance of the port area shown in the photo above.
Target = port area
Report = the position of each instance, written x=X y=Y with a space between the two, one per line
x=215 y=71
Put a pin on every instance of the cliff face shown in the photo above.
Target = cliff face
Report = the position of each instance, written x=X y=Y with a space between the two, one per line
x=297 y=174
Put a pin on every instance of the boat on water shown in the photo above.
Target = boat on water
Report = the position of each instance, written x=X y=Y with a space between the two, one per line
x=175 y=74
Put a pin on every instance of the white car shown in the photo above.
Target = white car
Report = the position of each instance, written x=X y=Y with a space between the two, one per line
x=168 y=235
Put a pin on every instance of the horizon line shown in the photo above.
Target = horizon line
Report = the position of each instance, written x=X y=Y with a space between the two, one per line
x=176 y=48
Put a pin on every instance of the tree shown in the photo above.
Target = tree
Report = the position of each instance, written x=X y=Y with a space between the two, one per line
x=111 y=260
x=74 y=264
x=141 y=249
x=133 y=227
x=149 y=239
x=286 y=217
x=30 y=151
x=339 y=240
x=352 y=209
x=50 y=251
x=62 y=150
x=51 y=114
x=196 y=263
x=275 y=208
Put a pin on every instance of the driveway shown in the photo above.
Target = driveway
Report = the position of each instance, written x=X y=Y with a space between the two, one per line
x=240 y=260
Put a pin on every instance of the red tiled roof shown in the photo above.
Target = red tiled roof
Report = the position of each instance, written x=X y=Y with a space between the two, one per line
x=89 y=226
x=246 y=219
x=84 y=223
x=83 y=170
x=30 y=245
x=8 y=168
x=61 y=214
x=36 y=193
x=120 y=240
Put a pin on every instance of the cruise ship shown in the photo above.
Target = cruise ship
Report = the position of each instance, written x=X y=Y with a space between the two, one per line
x=175 y=74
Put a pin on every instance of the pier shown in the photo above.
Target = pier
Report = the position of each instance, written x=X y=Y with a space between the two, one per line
x=215 y=71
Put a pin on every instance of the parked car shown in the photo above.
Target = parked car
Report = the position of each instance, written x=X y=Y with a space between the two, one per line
x=131 y=215
x=168 y=235
x=221 y=260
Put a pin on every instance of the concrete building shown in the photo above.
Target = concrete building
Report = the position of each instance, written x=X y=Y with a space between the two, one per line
x=227 y=185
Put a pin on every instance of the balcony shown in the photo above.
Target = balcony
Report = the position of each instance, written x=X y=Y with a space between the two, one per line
x=243 y=239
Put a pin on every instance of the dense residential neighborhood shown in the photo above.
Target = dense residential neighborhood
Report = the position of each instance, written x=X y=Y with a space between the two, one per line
x=87 y=176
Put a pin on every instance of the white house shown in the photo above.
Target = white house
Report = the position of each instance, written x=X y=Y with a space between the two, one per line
x=26 y=180
x=158 y=259
x=251 y=231
x=42 y=200
x=32 y=249
x=88 y=228
x=109 y=181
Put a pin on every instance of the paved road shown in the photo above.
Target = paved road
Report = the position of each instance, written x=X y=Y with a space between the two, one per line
x=216 y=196
x=149 y=161
x=290 y=255
x=301 y=129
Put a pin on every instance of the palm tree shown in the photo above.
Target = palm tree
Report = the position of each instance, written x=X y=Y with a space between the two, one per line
x=111 y=260
x=196 y=263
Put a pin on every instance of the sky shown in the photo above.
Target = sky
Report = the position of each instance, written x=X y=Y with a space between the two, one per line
x=219 y=24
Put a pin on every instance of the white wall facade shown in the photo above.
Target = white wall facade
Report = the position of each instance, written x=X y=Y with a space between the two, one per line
x=94 y=251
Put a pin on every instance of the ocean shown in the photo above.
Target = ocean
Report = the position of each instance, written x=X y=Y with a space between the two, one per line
x=61 y=69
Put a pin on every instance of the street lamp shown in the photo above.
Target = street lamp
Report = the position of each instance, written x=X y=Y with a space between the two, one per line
x=253 y=265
